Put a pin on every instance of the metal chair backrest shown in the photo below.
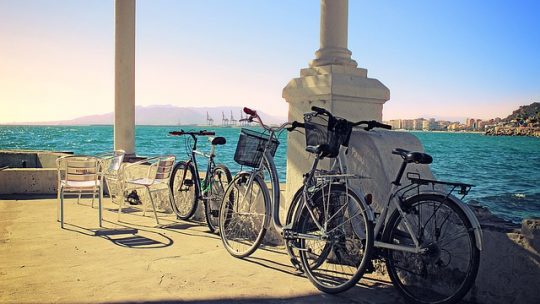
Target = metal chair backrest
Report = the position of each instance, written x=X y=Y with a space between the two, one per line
x=81 y=168
x=164 y=167
x=112 y=163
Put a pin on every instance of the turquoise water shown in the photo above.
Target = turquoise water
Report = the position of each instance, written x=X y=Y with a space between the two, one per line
x=504 y=170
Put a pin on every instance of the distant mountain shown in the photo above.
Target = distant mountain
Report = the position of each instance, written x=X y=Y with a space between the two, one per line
x=168 y=115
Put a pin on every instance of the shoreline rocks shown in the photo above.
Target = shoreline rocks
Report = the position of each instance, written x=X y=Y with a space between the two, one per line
x=513 y=131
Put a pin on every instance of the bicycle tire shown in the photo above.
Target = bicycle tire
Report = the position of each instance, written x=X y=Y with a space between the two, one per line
x=435 y=276
x=185 y=190
x=345 y=252
x=291 y=244
x=220 y=179
x=243 y=222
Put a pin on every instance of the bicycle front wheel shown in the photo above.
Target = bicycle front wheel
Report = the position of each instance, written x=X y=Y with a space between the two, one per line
x=292 y=245
x=335 y=258
x=446 y=271
x=243 y=215
x=221 y=177
x=184 y=190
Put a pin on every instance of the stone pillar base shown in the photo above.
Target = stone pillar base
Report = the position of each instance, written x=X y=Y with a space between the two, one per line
x=345 y=91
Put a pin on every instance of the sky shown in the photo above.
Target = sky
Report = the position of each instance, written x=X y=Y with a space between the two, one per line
x=443 y=59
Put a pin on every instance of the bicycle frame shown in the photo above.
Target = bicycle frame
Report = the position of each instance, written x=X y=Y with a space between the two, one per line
x=205 y=185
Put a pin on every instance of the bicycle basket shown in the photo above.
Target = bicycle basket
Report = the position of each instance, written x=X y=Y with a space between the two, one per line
x=328 y=132
x=250 y=148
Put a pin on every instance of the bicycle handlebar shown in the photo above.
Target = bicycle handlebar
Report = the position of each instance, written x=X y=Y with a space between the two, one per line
x=370 y=124
x=294 y=125
x=321 y=111
x=195 y=133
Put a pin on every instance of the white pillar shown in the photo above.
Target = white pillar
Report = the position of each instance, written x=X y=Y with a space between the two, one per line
x=333 y=82
x=334 y=34
x=124 y=76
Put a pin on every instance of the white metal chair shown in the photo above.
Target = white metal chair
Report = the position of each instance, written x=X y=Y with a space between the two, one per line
x=111 y=173
x=156 y=180
x=79 y=175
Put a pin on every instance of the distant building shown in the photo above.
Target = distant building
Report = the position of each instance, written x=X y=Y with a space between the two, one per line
x=482 y=124
x=443 y=125
x=395 y=123
x=470 y=123
x=418 y=124
x=407 y=124
x=425 y=125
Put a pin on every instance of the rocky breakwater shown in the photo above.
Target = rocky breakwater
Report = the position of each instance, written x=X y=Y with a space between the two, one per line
x=513 y=131
x=524 y=121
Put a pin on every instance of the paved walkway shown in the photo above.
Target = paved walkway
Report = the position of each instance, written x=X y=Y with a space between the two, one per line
x=135 y=261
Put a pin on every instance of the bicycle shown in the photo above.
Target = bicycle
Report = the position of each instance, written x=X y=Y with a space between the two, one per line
x=431 y=241
x=187 y=186
x=325 y=211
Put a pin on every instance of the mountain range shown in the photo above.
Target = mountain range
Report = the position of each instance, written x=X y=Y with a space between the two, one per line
x=167 y=115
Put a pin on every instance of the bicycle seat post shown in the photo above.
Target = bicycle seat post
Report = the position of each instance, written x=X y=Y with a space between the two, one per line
x=397 y=182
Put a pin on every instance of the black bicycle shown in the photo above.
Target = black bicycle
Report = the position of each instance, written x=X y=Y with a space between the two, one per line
x=188 y=187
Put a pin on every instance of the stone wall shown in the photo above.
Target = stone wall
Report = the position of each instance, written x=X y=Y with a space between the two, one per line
x=29 y=172
x=29 y=159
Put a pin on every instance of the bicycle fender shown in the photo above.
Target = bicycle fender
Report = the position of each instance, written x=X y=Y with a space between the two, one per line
x=360 y=194
x=353 y=209
x=478 y=235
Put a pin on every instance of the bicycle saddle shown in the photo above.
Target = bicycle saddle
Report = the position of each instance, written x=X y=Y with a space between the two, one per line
x=414 y=157
x=419 y=158
x=219 y=141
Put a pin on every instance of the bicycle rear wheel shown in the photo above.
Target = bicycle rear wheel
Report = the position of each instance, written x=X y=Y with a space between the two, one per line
x=447 y=270
x=221 y=177
x=335 y=260
x=184 y=190
x=243 y=215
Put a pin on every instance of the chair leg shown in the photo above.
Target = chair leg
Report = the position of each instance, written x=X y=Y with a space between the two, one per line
x=144 y=206
x=58 y=204
x=100 y=206
x=120 y=205
x=153 y=205
x=93 y=196
x=62 y=208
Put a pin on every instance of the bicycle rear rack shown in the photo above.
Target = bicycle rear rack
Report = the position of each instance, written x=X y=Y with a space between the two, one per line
x=416 y=181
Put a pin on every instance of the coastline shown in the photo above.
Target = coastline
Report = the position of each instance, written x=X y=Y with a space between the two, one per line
x=514 y=131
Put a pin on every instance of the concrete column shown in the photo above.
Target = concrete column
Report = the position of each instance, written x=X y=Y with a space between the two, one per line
x=124 y=76
x=333 y=82
x=333 y=35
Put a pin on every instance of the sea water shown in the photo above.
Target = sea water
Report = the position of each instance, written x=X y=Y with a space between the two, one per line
x=504 y=170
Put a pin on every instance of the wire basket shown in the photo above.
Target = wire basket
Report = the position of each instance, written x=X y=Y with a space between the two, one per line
x=327 y=132
x=250 y=148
